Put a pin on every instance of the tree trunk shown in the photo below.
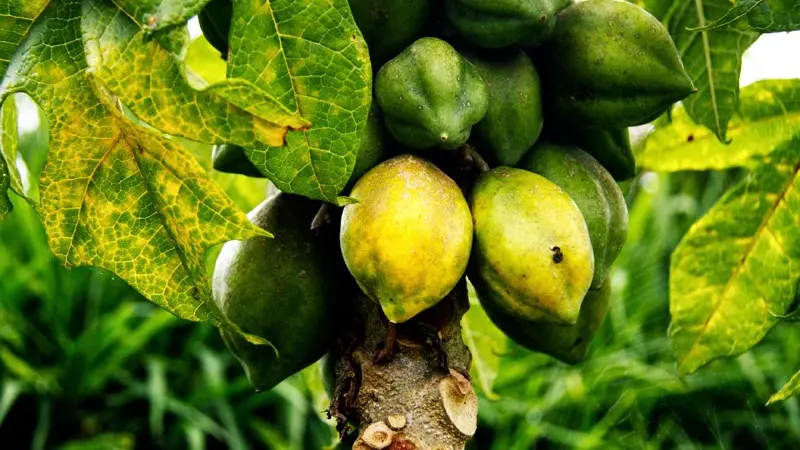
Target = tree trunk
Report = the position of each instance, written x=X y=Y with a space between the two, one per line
x=406 y=386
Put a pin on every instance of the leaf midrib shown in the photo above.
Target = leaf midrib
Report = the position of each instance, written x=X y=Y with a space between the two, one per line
x=737 y=270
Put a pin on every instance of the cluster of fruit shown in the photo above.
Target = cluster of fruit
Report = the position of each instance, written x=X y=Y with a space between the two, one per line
x=535 y=232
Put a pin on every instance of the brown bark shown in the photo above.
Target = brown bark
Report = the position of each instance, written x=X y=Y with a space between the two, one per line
x=416 y=395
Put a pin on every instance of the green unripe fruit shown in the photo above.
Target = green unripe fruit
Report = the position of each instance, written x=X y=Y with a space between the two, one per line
x=569 y=344
x=388 y=26
x=611 y=64
x=594 y=191
x=230 y=158
x=513 y=120
x=327 y=371
x=532 y=256
x=215 y=23
x=499 y=23
x=611 y=148
x=407 y=240
x=430 y=95
x=282 y=289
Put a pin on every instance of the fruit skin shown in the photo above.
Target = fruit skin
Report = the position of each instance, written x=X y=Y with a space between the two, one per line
x=532 y=256
x=283 y=289
x=388 y=26
x=407 y=242
x=430 y=95
x=569 y=344
x=611 y=64
x=215 y=23
x=230 y=158
x=611 y=148
x=513 y=120
x=594 y=191
x=499 y=23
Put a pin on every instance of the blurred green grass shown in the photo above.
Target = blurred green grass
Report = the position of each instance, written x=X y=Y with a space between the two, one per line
x=86 y=363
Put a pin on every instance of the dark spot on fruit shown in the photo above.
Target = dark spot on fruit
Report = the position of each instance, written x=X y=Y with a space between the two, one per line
x=557 y=255
x=690 y=138
x=578 y=342
x=543 y=19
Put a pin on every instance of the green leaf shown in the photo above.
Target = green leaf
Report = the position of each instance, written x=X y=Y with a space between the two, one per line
x=790 y=389
x=769 y=114
x=765 y=16
x=737 y=267
x=149 y=81
x=299 y=66
x=311 y=56
x=713 y=60
x=18 y=17
x=486 y=343
x=114 y=193
x=160 y=14
x=5 y=182
x=9 y=175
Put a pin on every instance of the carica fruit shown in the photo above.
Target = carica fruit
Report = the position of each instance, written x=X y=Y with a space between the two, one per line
x=532 y=255
x=594 y=191
x=430 y=95
x=499 y=23
x=388 y=26
x=609 y=63
x=407 y=241
x=611 y=148
x=569 y=344
x=230 y=158
x=513 y=120
x=285 y=290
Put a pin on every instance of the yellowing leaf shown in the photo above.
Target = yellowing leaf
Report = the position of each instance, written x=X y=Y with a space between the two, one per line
x=712 y=59
x=790 y=389
x=737 y=268
x=305 y=58
x=769 y=114
x=18 y=17
x=114 y=193
x=148 y=80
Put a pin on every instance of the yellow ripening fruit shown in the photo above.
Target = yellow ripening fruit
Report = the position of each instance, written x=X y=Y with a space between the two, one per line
x=532 y=255
x=407 y=241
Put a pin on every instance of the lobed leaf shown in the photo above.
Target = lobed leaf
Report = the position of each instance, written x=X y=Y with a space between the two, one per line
x=737 y=268
x=713 y=60
x=160 y=14
x=769 y=114
x=18 y=17
x=149 y=80
x=296 y=67
x=765 y=16
x=114 y=193
x=310 y=55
